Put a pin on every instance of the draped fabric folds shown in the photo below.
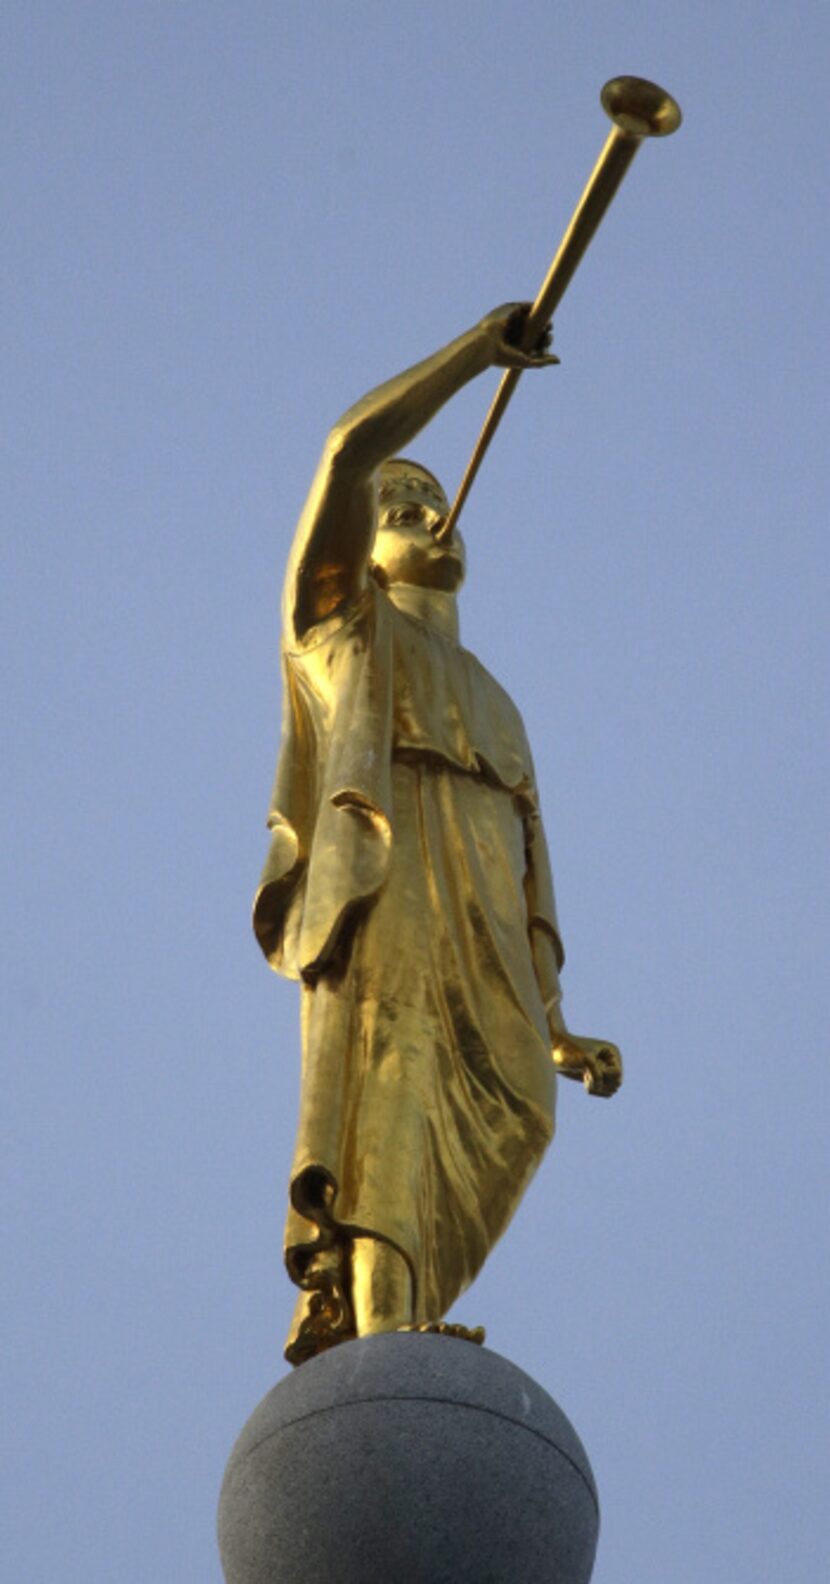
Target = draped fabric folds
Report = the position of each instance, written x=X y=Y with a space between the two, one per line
x=408 y=887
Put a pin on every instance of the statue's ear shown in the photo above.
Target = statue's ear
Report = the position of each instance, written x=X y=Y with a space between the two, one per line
x=379 y=575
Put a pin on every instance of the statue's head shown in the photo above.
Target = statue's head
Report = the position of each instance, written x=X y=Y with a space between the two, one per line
x=411 y=508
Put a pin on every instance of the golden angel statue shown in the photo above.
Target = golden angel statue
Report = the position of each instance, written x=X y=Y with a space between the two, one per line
x=407 y=888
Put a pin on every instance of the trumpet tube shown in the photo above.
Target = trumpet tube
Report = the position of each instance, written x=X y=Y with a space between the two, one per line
x=639 y=109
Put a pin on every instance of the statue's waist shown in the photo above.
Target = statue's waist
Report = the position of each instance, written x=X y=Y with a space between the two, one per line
x=502 y=772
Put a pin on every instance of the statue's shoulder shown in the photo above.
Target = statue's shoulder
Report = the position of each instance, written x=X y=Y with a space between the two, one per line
x=488 y=682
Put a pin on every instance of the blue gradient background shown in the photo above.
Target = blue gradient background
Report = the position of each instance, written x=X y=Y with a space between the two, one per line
x=223 y=224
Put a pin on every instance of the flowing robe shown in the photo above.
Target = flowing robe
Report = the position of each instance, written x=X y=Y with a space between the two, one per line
x=408 y=888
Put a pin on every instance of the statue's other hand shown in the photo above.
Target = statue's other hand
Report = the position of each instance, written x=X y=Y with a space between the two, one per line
x=596 y=1062
x=504 y=328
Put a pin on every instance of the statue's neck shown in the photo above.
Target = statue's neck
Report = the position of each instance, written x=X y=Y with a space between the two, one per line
x=436 y=607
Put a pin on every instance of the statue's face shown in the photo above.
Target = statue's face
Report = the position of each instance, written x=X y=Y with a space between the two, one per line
x=406 y=548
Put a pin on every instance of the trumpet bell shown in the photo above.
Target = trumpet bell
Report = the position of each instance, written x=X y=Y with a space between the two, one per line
x=640 y=108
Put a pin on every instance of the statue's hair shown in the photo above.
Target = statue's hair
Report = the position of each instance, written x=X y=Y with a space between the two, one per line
x=402 y=472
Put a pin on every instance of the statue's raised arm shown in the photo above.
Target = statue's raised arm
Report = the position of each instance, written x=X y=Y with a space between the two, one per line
x=330 y=556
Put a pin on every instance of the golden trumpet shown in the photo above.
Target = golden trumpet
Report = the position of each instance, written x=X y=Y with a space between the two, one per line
x=638 y=109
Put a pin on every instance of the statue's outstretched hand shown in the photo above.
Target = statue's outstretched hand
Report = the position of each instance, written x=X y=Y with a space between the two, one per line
x=596 y=1062
x=504 y=328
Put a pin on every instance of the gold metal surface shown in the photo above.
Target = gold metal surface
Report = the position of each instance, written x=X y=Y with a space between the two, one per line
x=639 y=109
x=407 y=888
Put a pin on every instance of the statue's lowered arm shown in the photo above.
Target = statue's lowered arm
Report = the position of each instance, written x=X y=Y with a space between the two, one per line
x=597 y=1063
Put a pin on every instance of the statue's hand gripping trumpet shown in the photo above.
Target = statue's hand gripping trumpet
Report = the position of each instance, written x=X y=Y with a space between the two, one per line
x=408 y=885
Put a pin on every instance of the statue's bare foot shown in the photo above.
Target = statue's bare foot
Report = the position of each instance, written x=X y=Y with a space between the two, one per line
x=444 y=1328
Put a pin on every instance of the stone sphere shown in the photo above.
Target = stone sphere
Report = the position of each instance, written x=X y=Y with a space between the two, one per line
x=414 y=1458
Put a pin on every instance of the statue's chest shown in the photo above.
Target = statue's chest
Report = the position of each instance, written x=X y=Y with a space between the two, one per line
x=446 y=703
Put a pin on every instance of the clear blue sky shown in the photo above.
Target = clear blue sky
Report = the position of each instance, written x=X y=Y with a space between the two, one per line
x=223 y=224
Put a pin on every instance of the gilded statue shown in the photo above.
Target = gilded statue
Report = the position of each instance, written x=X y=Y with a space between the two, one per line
x=407 y=886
